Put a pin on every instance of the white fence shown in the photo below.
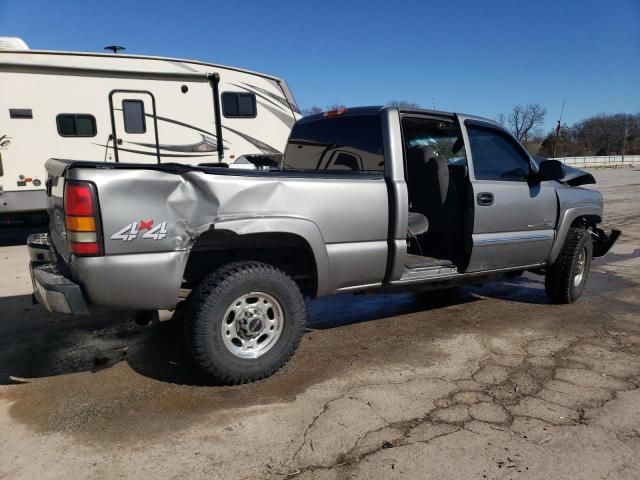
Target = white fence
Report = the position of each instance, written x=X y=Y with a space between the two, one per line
x=601 y=161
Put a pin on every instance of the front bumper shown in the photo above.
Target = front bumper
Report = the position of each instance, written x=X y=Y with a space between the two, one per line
x=51 y=288
x=602 y=241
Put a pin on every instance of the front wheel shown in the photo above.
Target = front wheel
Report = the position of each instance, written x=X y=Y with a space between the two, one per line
x=566 y=278
x=245 y=321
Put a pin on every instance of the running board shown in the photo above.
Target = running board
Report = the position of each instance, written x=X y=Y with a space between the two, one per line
x=448 y=276
x=424 y=273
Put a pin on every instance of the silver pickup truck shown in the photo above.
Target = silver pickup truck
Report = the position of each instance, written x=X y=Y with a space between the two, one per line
x=365 y=199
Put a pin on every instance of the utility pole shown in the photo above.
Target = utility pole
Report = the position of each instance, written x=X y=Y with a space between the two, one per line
x=555 y=142
x=624 y=139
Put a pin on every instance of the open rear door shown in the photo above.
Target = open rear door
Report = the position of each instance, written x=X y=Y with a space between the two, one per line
x=134 y=126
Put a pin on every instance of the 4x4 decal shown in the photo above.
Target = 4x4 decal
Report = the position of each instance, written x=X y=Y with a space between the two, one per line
x=131 y=231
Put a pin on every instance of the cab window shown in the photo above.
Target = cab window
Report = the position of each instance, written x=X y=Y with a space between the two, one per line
x=351 y=143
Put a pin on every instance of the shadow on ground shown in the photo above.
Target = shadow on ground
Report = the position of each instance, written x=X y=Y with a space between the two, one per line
x=35 y=343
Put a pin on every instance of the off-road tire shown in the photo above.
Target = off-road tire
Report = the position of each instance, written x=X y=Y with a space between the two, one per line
x=559 y=278
x=205 y=313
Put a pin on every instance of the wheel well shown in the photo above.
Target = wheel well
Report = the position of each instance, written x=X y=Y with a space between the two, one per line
x=586 y=222
x=286 y=251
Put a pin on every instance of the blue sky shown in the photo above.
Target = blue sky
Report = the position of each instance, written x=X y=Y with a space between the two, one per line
x=479 y=57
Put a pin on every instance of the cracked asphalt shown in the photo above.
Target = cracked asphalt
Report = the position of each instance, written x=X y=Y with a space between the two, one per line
x=493 y=383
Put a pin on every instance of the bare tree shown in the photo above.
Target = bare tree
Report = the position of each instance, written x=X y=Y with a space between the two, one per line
x=403 y=104
x=597 y=135
x=311 y=110
x=607 y=134
x=501 y=119
x=526 y=121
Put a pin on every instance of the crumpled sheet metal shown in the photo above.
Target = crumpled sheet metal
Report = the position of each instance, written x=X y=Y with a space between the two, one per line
x=325 y=212
x=197 y=207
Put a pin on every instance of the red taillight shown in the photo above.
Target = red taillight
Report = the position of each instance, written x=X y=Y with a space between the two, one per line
x=80 y=208
x=85 y=249
x=78 y=200
x=335 y=113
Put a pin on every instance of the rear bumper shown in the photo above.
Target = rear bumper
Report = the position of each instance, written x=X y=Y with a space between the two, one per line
x=134 y=282
x=51 y=288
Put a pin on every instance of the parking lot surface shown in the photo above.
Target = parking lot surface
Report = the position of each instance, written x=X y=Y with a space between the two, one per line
x=493 y=383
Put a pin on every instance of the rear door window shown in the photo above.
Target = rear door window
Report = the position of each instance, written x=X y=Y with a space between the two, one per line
x=345 y=144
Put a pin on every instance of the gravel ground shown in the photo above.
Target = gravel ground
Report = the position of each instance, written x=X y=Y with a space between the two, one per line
x=493 y=384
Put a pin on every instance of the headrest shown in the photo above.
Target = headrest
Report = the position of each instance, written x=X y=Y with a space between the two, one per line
x=422 y=153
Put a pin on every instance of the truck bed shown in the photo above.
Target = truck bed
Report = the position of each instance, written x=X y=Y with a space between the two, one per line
x=342 y=222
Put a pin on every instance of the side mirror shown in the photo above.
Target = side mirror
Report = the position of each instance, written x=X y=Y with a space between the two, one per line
x=551 y=170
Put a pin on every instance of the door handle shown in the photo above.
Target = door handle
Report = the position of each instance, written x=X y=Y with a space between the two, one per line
x=485 y=199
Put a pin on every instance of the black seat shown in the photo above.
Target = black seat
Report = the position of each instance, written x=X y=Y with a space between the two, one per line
x=433 y=192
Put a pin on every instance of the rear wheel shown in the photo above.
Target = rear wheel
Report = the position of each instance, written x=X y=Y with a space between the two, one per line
x=245 y=321
x=566 y=278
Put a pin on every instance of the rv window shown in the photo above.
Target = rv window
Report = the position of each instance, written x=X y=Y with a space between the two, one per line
x=133 y=113
x=76 y=125
x=239 y=105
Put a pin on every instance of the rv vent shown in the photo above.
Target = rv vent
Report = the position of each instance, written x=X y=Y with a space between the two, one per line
x=12 y=43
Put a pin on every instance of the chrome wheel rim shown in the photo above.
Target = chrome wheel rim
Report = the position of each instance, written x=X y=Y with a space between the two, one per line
x=581 y=266
x=252 y=325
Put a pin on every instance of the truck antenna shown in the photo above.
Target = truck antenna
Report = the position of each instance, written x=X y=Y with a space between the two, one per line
x=555 y=141
x=114 y=48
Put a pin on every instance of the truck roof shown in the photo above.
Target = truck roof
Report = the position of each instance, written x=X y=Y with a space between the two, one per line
x=374 y=109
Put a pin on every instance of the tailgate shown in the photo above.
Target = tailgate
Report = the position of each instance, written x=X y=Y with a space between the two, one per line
x=74 y=215
x=56 y=170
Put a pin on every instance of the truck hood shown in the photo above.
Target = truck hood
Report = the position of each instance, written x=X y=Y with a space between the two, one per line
x=575 y=177
x=572 y=176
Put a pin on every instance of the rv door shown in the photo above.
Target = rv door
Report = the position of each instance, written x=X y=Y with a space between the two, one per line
x=134 y=126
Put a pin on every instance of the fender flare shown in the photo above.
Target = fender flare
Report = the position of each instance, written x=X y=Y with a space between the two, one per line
x=303 y=228
x=568 y=217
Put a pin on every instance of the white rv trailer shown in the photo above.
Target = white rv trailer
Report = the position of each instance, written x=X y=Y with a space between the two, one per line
x=128 y=108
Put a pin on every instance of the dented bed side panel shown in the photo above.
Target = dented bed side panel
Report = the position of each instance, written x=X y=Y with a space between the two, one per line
x=149 y=211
